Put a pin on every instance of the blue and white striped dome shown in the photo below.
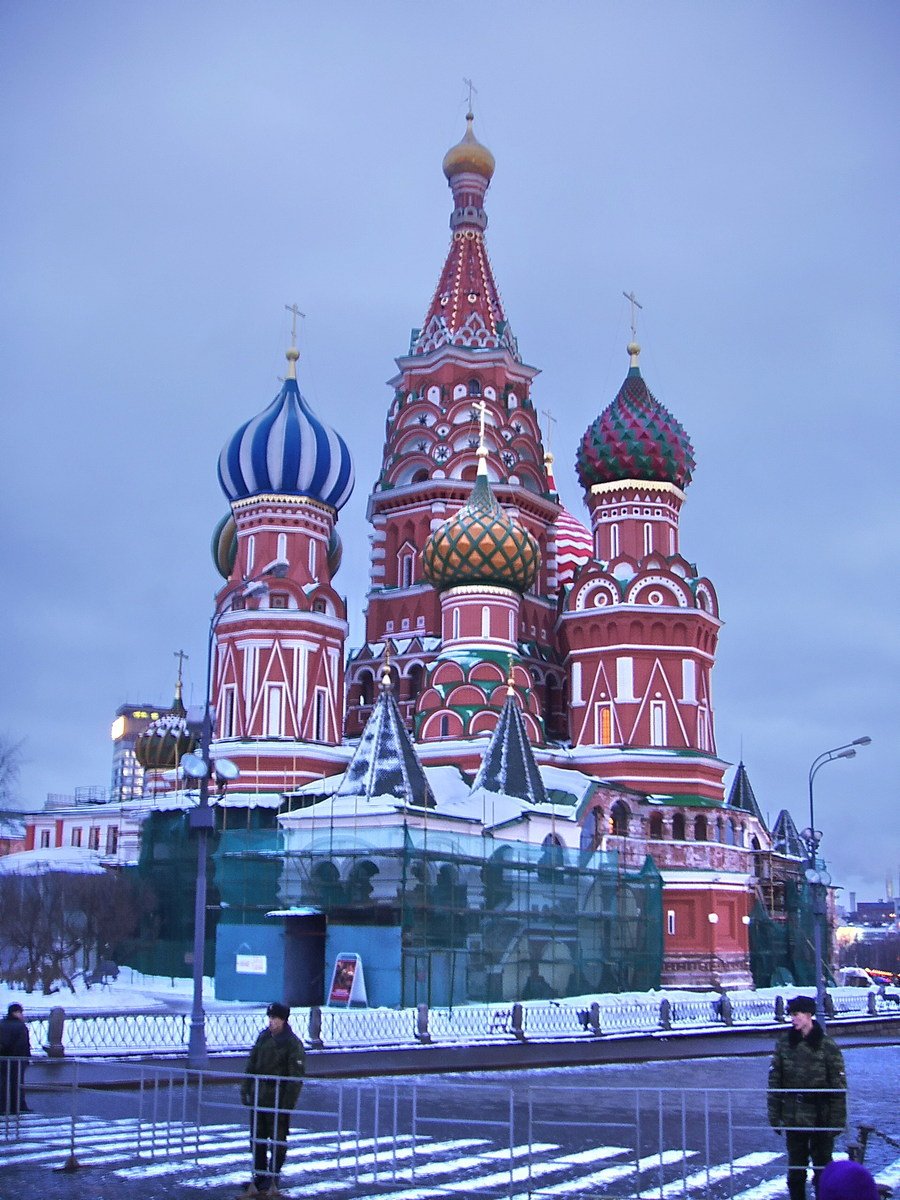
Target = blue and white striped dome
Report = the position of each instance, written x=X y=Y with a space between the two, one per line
x=288 y=451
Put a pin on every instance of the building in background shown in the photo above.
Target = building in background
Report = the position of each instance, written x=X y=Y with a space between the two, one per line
x=130 y=722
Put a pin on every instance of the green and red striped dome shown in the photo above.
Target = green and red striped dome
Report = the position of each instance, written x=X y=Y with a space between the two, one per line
x=635 y=437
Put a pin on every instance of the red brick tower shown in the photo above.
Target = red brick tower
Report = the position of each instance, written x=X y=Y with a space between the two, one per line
x=464 y=354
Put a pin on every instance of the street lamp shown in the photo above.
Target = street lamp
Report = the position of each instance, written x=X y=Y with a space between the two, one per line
x=202 y=820
x=818 y=878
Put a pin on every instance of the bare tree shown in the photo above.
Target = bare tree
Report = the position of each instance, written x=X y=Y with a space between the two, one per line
x=10 y=765
x=53 y=925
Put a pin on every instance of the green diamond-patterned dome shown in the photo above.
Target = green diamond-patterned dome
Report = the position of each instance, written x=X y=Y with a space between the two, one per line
x=481 y=544
x=636 y=437
x=163 y=743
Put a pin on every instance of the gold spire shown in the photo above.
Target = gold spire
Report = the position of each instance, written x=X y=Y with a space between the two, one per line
x=182 y=658
x=633 y=347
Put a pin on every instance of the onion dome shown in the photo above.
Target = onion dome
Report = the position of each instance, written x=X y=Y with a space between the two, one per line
x=224 y=545
x=636 y=437
x=161 y=746
x=574 y=543
x=469 y=155
x=335 y=552
x=287 y=450
x=481 y=544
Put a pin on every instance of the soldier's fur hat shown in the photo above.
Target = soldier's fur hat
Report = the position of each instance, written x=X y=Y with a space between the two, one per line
x=805 y=1004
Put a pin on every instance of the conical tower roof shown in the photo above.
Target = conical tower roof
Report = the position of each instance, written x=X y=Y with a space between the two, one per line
x=508 y=766
x=466 y=309
x=741 y=795
x=785 y=838
x=385 y=762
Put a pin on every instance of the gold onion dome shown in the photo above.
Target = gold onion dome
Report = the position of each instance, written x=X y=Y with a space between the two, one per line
x=481 y=544
x=163 y=743
x=469 y=155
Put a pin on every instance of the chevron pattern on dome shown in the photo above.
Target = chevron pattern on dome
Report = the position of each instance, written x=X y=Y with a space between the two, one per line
x=508 y=766
x=635 y=437
x=574 y=546
x=385 y=762
x=287 y=450
x=481 y=544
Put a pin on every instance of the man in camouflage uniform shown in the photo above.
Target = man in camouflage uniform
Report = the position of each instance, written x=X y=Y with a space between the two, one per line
x=807 y=1094
x=274 y=1078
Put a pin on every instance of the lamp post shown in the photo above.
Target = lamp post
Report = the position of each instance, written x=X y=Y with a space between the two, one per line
x=818 y=878
x=202 y=820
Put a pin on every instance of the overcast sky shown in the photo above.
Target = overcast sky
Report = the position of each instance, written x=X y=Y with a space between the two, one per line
x=174 y=173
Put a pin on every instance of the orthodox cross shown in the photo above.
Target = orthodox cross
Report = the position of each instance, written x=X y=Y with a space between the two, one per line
x=182 y=659
x=481 y=405
x=633 y=301
x=295 y=313
x=551 y=421
x=473 y=90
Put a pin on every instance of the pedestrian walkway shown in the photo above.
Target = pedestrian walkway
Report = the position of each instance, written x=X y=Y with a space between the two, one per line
x=214 y=1159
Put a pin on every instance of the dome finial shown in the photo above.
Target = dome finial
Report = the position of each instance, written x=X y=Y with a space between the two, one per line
x=633 y=347
x=386 y=669
x=469 y=155
x=182 y=658
x=293 y=353
x=510 y=678
x=481 y=452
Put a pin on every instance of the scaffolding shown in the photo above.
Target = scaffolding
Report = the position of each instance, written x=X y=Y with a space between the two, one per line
x=480 y=918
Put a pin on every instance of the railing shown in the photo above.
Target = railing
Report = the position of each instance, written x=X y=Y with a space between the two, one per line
x=174 y=1130
x=144 y=1031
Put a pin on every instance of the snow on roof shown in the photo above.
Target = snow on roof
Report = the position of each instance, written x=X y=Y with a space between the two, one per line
x=73 y=859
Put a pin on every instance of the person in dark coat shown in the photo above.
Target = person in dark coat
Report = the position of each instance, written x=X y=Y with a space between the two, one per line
x=272 y=1086
x=807 y=1095
x=15 y=1048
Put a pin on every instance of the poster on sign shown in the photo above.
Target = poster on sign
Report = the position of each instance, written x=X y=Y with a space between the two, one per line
x=347 y=983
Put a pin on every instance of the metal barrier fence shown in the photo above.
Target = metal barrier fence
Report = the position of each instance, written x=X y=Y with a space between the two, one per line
x=139 y=1031
x=524 y=1141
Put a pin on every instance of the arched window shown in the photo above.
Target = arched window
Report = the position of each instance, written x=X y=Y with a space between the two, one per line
x=326 y=882
x=648 y=538
x=415 y=677
x=656 y=827
x=359 y=882
x=678 y=830
x=485 y=621
x=700 y=833
x=618 y=818
x=445 y=725
x=474 y=387
x=419 y=476
x=614 y=541
x=729 y=833
x=455 y=623
x=251 y=552
x=282 y=547
x=366 y=687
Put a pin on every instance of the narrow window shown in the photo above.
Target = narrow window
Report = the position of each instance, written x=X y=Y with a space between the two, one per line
x=94 y=837
x=625 y=679
x=112 y=840
x=604 y=724
x=406 y=570
x=657 y=723
x=474 y=387
x=312 y=558
x=282 y=547
x=512 y=626
x=45 y=839
x=614 y=540
x=648 y=537
x=226 y=725
x=670 y=922
x=320 y=717
x=689 y=681
x=274 y=711
x=445 y=725
x=678 y=827
x=703 y=740
x=251 y=552
x=455 y=633
x=576 y=683
x=76 y=837
x=485 y=621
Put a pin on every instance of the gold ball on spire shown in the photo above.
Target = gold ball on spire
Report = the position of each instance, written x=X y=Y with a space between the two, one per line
x=469 y=155
x=292 y=354
x=633 y=349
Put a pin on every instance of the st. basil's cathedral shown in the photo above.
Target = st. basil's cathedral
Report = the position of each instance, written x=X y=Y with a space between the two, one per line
x=526 y=739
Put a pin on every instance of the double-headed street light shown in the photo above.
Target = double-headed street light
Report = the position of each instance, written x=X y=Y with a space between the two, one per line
x=817 y=876
x=200 y=766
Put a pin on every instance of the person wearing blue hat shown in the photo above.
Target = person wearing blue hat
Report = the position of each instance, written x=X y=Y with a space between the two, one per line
x=846 y=1180
x=271 y=1088
x=807 y=1097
